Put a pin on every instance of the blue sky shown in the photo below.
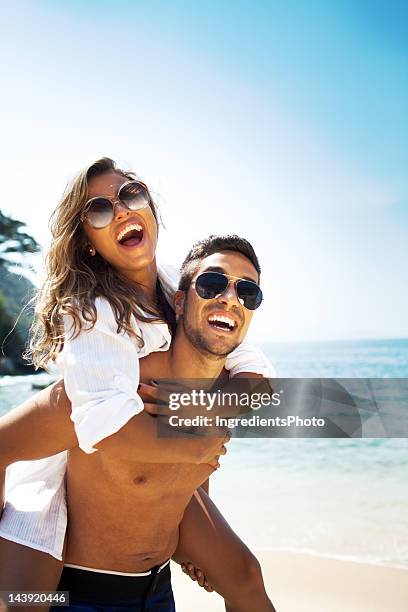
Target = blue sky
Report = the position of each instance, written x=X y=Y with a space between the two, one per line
x=286 y=123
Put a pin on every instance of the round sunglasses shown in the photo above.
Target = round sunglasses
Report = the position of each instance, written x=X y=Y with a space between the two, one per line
x=210 y=285
x=100 y=212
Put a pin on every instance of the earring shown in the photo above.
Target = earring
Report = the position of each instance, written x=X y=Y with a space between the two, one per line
x=91 y=250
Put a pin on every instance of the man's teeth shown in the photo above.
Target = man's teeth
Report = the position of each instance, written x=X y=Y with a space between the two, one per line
x=222 y=319
x=129 y=228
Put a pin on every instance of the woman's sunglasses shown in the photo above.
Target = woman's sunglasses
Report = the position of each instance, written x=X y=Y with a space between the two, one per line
x=100 y=212
x=210 y=285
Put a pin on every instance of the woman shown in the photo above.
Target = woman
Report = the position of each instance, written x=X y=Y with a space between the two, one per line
x=102 y=286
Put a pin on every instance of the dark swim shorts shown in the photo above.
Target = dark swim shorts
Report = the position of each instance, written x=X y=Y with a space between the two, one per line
x=93 y=591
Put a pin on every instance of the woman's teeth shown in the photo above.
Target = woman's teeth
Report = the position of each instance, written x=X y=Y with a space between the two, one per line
x=128 y=229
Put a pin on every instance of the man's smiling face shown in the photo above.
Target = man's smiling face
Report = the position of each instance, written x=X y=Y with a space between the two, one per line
x=217 y=326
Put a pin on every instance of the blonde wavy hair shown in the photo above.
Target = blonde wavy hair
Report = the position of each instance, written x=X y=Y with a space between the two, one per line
x=74 y=279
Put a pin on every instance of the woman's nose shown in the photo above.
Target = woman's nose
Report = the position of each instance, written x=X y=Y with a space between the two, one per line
x=121 y=211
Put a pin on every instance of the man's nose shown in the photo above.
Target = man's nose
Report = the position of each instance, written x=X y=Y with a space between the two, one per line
x=230 y=295
x=121 y=211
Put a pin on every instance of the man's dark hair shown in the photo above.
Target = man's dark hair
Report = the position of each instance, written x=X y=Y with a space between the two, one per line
x=208 y=246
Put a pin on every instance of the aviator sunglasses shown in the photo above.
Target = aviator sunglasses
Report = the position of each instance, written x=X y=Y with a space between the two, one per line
x=210 y=285
x=100 y=212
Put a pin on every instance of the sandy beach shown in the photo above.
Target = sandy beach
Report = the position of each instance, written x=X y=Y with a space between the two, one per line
x=307 y=583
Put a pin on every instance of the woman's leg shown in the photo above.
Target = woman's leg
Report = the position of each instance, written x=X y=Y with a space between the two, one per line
x=25 y=569
x=207 y=541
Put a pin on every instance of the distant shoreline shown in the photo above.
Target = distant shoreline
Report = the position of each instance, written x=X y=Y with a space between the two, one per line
x=374 y=339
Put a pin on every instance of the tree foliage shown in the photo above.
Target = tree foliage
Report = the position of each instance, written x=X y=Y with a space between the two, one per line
x=15 y=291
x=12 y=240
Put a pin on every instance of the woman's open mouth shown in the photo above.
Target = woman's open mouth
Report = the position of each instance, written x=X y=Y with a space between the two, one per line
x=131 y=235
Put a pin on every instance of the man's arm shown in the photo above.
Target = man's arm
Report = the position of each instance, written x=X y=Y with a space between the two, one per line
x=42 y=427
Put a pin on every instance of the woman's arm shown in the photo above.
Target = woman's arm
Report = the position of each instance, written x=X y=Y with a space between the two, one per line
x=42 y=427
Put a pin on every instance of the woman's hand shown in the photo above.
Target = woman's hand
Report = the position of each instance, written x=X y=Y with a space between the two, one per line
x=148 y=393
x=197 y=575
x=213 y=447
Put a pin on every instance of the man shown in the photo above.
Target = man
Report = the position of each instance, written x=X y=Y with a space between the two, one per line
x=125 y=512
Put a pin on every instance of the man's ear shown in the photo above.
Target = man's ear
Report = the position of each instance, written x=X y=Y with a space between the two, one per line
x=178 y=301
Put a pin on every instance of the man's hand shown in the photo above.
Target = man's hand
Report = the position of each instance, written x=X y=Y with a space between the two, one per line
x=213 y=445
x=197 y=575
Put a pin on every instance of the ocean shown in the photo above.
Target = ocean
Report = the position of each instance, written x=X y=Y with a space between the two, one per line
x=341 y=498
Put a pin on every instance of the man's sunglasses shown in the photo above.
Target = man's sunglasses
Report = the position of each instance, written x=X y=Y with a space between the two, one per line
x=210 y=285
x=100 y=212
